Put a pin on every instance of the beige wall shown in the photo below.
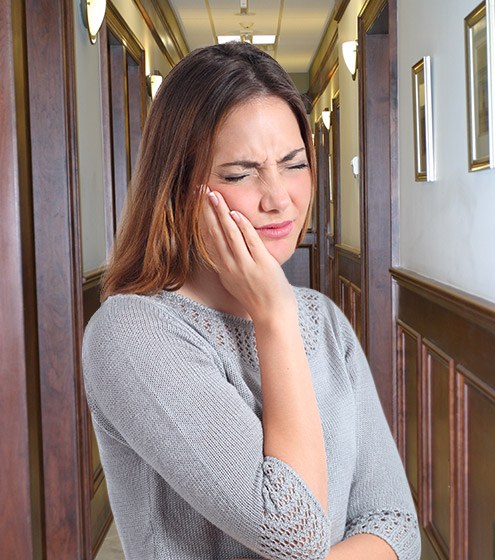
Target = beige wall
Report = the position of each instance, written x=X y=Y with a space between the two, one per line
x=349 y=131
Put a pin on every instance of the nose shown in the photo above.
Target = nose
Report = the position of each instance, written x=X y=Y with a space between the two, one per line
x=275 y=196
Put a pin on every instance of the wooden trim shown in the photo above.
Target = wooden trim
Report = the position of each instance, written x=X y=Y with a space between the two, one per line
x=17 y=537
x=119 y=27
x=163 y=25
x=370 y=11
x=106 y=139
x=475 y=309
x=53 y=134
x=351 y=252
x=328 y=67
x=340 y=8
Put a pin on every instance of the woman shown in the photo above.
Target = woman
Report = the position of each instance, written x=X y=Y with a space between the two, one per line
x=236 y=416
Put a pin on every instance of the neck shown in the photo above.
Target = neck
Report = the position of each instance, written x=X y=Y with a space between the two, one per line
x=204 y=286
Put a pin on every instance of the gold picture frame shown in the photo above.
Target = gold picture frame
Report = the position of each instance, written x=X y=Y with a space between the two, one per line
x=479 y=28
x=424 y=156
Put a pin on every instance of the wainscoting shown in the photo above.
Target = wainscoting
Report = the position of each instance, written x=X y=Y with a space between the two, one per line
x=348 y=284
x=446 y=406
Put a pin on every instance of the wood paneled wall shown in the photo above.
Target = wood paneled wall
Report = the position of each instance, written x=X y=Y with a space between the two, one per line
x=446 y=392
x=348 y=283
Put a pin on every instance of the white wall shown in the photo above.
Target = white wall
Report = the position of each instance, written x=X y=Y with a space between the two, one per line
x=447 y=229
x=349 y=132
x=89 y=123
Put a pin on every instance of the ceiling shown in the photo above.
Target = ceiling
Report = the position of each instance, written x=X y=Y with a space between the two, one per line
x=299 y=25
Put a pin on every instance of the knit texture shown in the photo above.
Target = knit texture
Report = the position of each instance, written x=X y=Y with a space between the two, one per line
x=175 y=396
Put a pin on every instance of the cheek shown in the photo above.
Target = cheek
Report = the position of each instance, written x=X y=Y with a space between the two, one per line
x=239 y=198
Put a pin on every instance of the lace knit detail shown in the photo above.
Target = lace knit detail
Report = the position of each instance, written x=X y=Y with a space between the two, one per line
x=398 y=527
x=234 y=334
x=291 y=529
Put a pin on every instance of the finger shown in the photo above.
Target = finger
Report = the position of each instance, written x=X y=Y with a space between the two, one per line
x=213 y=235
x=232 y=233
x=251 y=237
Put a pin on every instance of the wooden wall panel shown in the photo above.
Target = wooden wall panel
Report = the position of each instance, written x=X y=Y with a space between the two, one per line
x=437 y=374
x=348 y=275
x=455 y=432
x=479 y=482
x=408 y=348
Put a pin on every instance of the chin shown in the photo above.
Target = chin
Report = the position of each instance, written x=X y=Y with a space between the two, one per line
x=280 y=251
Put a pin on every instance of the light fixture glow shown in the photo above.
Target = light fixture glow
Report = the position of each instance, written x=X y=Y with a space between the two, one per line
x=325 y=117
x=349 y=52
x=153 y=82
x=264 y=39
x=227 y=38
x=248 y=37
x=93 y=14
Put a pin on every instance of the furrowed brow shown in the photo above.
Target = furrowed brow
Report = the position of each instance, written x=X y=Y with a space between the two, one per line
x=291 y=155
x=241 y=163
x=255 y=165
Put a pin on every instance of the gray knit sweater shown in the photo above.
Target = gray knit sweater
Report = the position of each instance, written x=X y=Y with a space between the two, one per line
x=174 y=391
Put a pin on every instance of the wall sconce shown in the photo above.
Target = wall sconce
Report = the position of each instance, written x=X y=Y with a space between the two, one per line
x=153 y=82
x=325 y=117
x=93 y=14
x=349 y=52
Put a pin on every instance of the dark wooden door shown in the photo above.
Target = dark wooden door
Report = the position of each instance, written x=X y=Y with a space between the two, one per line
x=378 y=198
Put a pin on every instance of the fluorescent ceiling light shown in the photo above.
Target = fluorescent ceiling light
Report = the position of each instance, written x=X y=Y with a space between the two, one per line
x=226 y=38
x=257 y=39
x=264 y=39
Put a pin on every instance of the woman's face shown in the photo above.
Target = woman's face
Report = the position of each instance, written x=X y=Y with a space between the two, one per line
x=261 y=169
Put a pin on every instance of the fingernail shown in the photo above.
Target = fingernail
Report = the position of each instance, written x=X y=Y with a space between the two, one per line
x=235 y=216
x=213 y=198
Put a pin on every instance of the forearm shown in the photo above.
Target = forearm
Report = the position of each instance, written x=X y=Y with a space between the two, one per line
x=362 y=547
x=292 y=428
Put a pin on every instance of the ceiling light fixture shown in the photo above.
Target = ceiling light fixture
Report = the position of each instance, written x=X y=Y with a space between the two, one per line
x=243 y=7
x=227 y=38
x=93 y=14
x=247 y=36
x=349 y=52
x=264 y=39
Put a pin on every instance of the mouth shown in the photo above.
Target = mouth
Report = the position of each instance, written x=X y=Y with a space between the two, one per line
x=276 y=230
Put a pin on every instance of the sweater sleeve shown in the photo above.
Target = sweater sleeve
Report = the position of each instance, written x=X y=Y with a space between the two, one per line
x=380 y=501
x=163 y=390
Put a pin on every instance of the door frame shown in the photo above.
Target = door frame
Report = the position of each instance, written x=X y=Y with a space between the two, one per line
x=379 y=208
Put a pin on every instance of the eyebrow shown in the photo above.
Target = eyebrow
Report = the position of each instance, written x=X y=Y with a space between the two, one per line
x=253 y=164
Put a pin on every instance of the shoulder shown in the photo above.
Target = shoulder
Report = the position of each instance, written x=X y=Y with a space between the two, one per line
x=316 y=307
x=131 y=323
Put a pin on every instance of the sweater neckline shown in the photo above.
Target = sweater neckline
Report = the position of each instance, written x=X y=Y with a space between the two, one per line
x=181 y=299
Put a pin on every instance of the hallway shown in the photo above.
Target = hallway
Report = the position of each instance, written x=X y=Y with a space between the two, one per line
x=400 y=97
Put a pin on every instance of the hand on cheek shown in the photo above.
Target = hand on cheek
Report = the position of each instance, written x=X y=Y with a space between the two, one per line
x=245 y=267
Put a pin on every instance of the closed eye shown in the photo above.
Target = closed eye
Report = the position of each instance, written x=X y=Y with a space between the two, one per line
x=304 y=165
x=235 y=178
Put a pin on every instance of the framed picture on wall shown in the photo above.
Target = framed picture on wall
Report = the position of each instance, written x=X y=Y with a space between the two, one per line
x=480 y=75
x=423 y=121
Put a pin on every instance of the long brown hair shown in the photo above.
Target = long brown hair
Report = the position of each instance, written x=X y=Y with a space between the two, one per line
x=158 y=240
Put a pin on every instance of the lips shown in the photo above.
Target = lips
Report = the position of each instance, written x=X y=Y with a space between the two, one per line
x=276 y=230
